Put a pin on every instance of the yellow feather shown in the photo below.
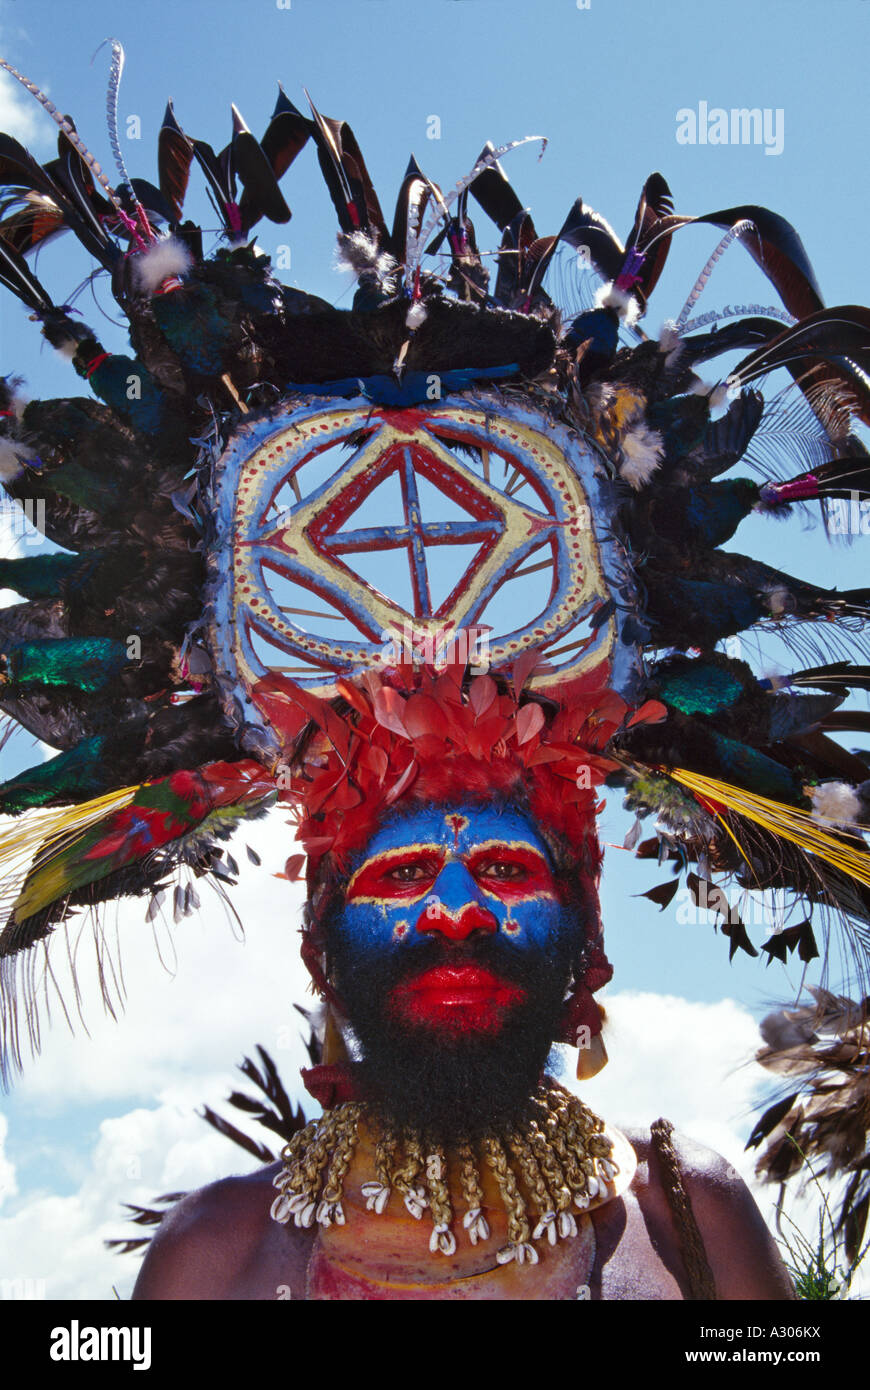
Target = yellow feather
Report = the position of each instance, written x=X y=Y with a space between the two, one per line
x=31 y=844
x=791 y=823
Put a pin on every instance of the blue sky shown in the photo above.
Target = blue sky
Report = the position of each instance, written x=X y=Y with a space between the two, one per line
x=605 y=85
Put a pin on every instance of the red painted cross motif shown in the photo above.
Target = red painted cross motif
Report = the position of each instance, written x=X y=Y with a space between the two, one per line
x=514 y=496
x=457 y=824
x=407 y=461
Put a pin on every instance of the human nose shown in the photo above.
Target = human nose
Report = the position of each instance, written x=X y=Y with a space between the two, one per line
x=455 y=908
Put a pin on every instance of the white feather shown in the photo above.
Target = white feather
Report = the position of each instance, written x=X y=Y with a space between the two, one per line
x=67 y=347
x=669 y=338
x=625 y=304
x=601 y=395
x=416 y=315
x=13 y=454
x=787 y=1028
x=358 y=251
x=160 y=262
x=779 y=600
x=17 y=402
x=671 y=344
x=717 y=392
x=643 y=449
x=837 y=802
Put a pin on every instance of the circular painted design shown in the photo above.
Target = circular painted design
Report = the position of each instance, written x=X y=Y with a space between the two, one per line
x=519 y=494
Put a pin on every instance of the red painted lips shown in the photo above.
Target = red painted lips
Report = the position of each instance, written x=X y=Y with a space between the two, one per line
x=463 y=997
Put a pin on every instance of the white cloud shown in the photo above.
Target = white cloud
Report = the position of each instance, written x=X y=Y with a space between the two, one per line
x=8 y=1184
x=686 y=1061
x=668 y=1056
x=692 y=1063
x=20 y=116
x=183 y=1032
x=198 y=992
x=54 y=1243
x=187 y=1024
x=689 y=1062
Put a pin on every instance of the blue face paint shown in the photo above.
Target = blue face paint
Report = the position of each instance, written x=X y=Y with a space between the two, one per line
x=453 y=872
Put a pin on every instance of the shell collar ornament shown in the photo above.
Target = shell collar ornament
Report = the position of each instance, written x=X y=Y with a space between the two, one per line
x=549 y=1173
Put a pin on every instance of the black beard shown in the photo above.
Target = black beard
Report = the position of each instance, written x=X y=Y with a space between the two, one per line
x=451 y=1086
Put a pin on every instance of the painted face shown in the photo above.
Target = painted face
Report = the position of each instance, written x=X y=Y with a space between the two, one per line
x=476 y=881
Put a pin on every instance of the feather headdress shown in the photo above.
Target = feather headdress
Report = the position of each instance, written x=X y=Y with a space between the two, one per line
x=215 y=496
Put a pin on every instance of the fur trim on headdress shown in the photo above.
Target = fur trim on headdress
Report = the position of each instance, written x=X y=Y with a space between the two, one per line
x=626 y=305
x=165 y=260
x=359 y=253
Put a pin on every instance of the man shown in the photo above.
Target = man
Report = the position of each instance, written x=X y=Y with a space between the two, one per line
x=211 y=639
x=451 y=948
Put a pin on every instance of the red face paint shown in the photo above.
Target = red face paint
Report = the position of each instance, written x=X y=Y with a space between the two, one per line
x=457 y=824
x=512 y=872
x=461 y=998
x=456 y=926
x=397 y=875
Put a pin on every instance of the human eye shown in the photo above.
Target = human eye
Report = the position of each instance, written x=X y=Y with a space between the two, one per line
x=405 y=873
x=409 y=873
x=511 y=869
x=503 y=870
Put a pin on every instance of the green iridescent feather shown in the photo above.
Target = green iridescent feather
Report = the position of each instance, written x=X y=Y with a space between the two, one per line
x=86 y=663
x=77 y=774
x=699 y=688
x=45 y=576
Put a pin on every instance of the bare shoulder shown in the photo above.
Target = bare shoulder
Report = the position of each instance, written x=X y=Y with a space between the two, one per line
x=204 y=1242
x=741 y=1251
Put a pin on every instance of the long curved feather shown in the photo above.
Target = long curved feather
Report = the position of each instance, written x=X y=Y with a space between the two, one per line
x=115 y=72
x=655 y=202
x=486 y=161
x=775 y=247
x=789 y=823
x=69 y=131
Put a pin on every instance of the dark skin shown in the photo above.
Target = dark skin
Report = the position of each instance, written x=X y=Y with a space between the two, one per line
x=221 y=1244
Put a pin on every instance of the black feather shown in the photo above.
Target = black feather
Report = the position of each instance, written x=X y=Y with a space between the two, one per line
x=655 y=203
x=347 y=177
x=774 y=245
x=174 y=160
x=493 y=191
x=415 y=193
x=261 y=197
